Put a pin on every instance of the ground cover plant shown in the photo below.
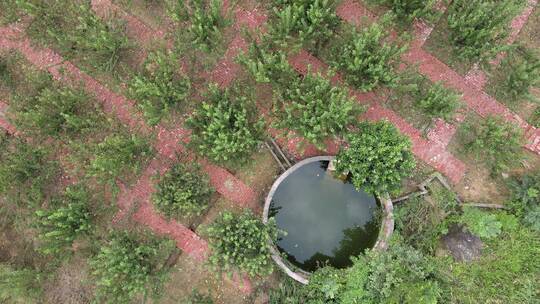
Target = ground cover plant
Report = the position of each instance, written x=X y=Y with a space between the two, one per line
x=183 y=192
x=389 y=155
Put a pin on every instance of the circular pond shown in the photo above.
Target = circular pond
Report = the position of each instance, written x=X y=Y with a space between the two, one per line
x=326 y=219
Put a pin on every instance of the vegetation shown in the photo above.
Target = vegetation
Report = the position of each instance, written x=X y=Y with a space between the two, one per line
x=482 y=224
x=494 y=142
x=389 y=155
x=197 y=298
x=240 y=242
x=408 y=10
x=182 y=192
x=522 y=72
x=267 y=66
x=525 y=201
x=225 y=126
x=159 y=87
x=127 y=266
x=367 y=58
x=315 y=109
x=437 y=101
x=478 y=27
x=19 y=285
x=66 y=219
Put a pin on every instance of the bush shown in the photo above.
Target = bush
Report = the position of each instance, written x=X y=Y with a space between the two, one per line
x=77 y=31
x=377 y=158
x=437 y=101
x=525 y=200
x=126 y=266
x=66 y=219
x=267 y=66
x=182 y=191
x=225 y=127
x=19 y=285
x=56 y=112
x=315 y=109
x=480 y=223
x=118 y=154
x=408 y=10
x=312 y=22
x=495 y=142
x=197 y=298
x=159 y=87
x=521 y=74
x=367 y=58
x=478 y=27
x=241 y=242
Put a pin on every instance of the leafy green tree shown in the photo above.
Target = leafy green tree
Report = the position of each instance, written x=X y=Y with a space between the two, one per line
x=240 y=242
x=126 y=266
x=482 y=224
x=267 y=65
x=183 y=191
x=367 y=57
x=159 y=87
x=19 y=285
x=315 y=108
x=522 y=74
x=312 y=22
x=438 y=101
x=478 y=27
x=408 y=10
x=66 y=219
x=377 y=158
x=495 y=142
x=77 y=31
x=117 y=154
x=225 y=127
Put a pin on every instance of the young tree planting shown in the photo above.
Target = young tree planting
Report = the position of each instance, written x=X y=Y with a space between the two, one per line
x=409 y=10
x=437 y=101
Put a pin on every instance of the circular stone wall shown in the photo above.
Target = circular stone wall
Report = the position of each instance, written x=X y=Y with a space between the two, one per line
x=326 y=219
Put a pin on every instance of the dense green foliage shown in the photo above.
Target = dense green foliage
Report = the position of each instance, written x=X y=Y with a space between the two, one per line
x=478 y=27
x=77 y=31
x=408 y=10
x=67 y=218
x=159 y=87
x=225 y=127
x=240 y=242
x=182 y=192
x=437 y=101
x=310 y=22
x=377 y=158
x=367 y=58
x=482 y=224
x=522 y=73
x=495 y=142
x=267 y=65
x=315 y=109
x=19 y=285
x=525 y=201
x=118 y=154
x=127 y=266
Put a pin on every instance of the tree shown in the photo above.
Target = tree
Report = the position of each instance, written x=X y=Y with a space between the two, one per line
x=478 y=27
x=495 y=142
x=377 y=158
x=367 y=58
x=408 y=10
x=315 y=108
x=159 y=87
x=126 y=265
x=182 y=191
x=522 y=73
x=67 y=218
x=438 y=101
x=225 y=127
x=240 y=242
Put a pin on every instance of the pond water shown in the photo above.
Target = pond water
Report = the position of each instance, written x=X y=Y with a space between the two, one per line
x=326 y=219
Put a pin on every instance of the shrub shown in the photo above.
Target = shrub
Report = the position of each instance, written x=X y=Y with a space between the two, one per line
x=525 y=200
x=159 y=87
x=482 y=224
x=478 y=27
x=495 y=142
x=377 y=158
x=241 y=242
x=522 y=74
x=182 y=191
x=225 y=127
x=25 y=171
x=197 y=298
x=125 y=266
x=77 y=31
x=315 y=108
x=66 y=219
x=367 y=58
x=19 y=285
x=408 y=10
x=313 y=22
x=438 y=101
x=117 y=154
x=56 y=112
x=266 y=65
